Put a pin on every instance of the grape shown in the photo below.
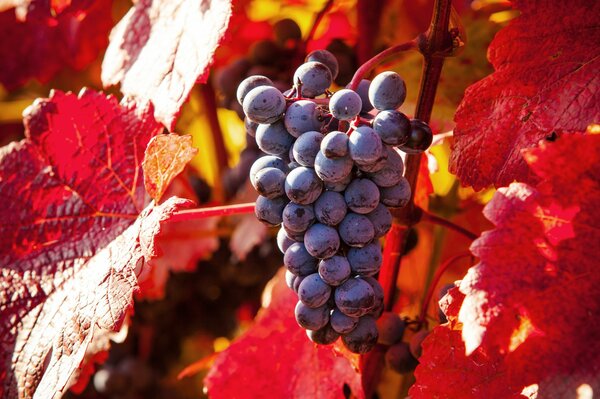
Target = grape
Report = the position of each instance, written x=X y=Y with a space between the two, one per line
x=323 y=336
x=283 y=240
x=313 y=291
x=415 y=343
x=342 y=323
x=285 y=30
x=299 y=261
x=269 y=210
x=362 y=196
x=377 y=308
x=391 y=172
x=296 y=236
x=392 y=126
x=364 y=145
x=399 y=358
x=297 y=282
x=314 y=78
x=419 y=139
x=363 y=91
x=269 y=182
x=321 y=241
x=335 y=270
x=354 y=297
x=267 y=162
x=364 y=336
x=306 y=147
x=289 y=279
x=339 y=186
x=345 y=104
x=302 y=116
x=387 y=91
x=330 y=208
x=335 y=144
x=297 y=218
x=356 y=230
x=250 y=83
x=365 y=261
x=327 y=58
x=332 y=170
x=302 y=185
x=250 y=127
x=228 y=77
x=381 y=218
x=346 y=60
x=264 y=104
x=311 y=318
x=273 y=138
x=391 y=328
x=263 y=52
x=396 y=196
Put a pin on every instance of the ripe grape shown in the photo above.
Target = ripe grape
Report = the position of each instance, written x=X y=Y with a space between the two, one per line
x=363 y=337
x=354 y=297
x=365 y=261
x=269 y=210
x=390 y=173
x=335 y=270
x=396 y=196
x=313 y=291
x=268 y=161
x=345 y=104
x=324 y=336
x=273 y=138
x=330 y=208
x=327 y=58
x=283 y=240
x=314 y=78
x=381 y=219
x=392 y=126
x=250 y=83
x=387 y=91
x=356 y=230
x=332 y=170
x=306 y=147
x=285 y=30
x=363 y=91
x=311 y=318
x=399 y=358
x=342 y=323
x=264 y=104
x=335 y=144
x=364 y=145
x=302 y=116
x=321 y=241
x=303 y=186
x=299 y=261
x=391 y=328
x=419 y=139
x=297 y=218
x=362 y=196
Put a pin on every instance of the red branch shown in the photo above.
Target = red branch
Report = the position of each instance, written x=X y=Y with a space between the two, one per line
x=200 y=213
x=431 y=218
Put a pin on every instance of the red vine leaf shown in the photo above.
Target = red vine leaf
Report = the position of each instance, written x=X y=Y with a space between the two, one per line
x=275 y=358
x=532 y=303
x=76 y=233
x=161 y=48
x=165 y=158
x=546 y=82
x=42 y=39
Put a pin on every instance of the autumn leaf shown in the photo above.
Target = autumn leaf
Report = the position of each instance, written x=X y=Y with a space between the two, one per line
x=275 y=358
x=165 y=158
x=546 y=83
x=41 y=39
x=531 y=305
x=161 y=48
x=76 y=233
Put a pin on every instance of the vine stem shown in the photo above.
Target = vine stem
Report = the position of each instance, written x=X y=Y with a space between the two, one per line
x=200 y=213
x=318 y=19
x=434 y=219
x=378 y=59
x=436 y=279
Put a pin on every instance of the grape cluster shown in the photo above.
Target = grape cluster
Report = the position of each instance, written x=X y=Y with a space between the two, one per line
x=330 y=189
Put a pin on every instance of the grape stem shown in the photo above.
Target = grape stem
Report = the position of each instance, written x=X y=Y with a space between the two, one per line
x=378 y=59
x=434 y=282
x=200 y=213
x=440 y=221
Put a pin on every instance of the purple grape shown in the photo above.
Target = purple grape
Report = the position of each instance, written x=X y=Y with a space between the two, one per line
x=264 y=104
x=396 y=196
x=313 y=291
x=391 y=172
x=335 y=270
x=362 y=196
x=364 y=337
x=391 y=328
x=286 y=30
x=269 y=210
x=354 y=297
x=303 y=186
x=268 y=161
x=363 y=91
x=399 y=358
x=365 y=145
x=327 y=58
x=289 y=279
x=283 y=240
x=314 y=77
x=419 y=139
x=387 y=91
x=356 y=230
x=392 y=126
x=297 y=218
x=302 y=116
x=323 y=336
x=273 y=138
x=330 y=208
x=269 y=182
x=299 y=261
x=342 y=323
x=339 y=186
x=321 y=241
x=335 y=144
x=250 y=127
x=345 y=104
x=381 y=218
x=377 y=308
x=365 y=261
x=306 y=147
x=311 y=318
x=250 y=83
x=333 y=170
